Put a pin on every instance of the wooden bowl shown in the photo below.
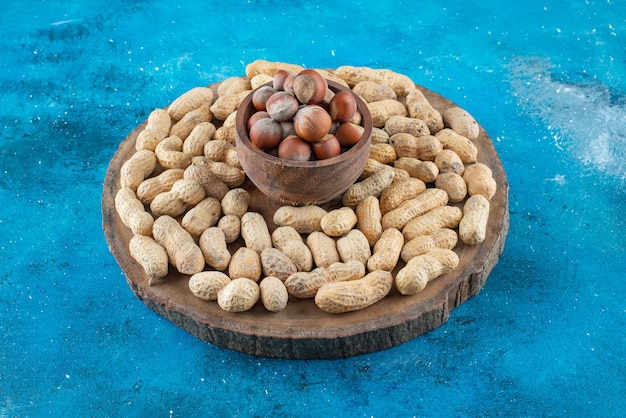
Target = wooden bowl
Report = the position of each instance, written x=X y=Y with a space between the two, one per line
x=300 y=183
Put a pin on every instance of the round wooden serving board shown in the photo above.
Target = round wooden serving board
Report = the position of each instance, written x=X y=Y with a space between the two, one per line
x=303 y=331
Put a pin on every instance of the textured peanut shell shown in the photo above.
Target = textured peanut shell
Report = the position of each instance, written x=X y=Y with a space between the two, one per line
x=170 y=155
x=338 y=221
x=353 y=295
x=462 y=146
x=479 y=180
x=274 y=294
x=400 y=83
x=473 y=225
x=399 y=191
x=277 y=264
x=461 y=122
x=236 y=202
x=184 y=194
x=421 y=244
x=231 y=226
x=181 y=248
x=239 y=295
x=323 y=249
x=245 y=263
x=354 y=246
x=424 y=170
x=404 y=124
x=213 y=187
x=386 y=251
x=453 y=184
x=132 y=213
x=383 y=153
x=255 y=232
x=369 y=219
x=225 y=105
x=371 y=186
x=200 y=135
x=414 y=277
x=202 y=216
x=306 y=284
x=437 y=218
x=188 y=101
x=207 y=284
x=304 y=219
x=137 y=168
x=449 y=161
x=420 y=108
x=270 y=68
x=411 y=208
x=233 y=85
x=149 y=188
x=299 y=253
x=382 y=110
x=214 y=248
x=371 y=91
x=184 y=126
x=160 y=122
x=150 y=255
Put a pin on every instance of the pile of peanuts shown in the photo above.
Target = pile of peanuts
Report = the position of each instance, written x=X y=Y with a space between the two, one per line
x=182 y=196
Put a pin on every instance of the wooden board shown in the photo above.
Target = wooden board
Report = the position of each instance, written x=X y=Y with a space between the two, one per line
x=302 y=331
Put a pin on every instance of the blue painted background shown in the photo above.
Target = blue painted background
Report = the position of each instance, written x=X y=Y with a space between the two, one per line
x=546 y=79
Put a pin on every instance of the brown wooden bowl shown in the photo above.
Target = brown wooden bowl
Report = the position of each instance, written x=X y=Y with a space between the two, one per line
x=302 y=183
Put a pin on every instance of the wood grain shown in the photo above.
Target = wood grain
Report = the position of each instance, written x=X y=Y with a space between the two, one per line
x=302 y=331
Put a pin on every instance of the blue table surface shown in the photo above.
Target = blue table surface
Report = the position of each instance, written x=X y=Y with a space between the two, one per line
x=544 y=337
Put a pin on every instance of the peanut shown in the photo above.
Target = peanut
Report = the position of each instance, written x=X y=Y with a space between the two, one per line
x=306 y=284
x=370 y=91
x=323 y=249
x=268 y=67
x=199 y=136
x=189 y=101
x=411 y=208
x=170 y=155
x=231 y=226
x=148 y=139
x=399 y=191
x=461 y=122
x=213 y=187
x=449 y=161
x=207 y=284
x=274 y=294
x=214 y=248
x=379 y=136
x=404 y=144
x=424 y=268
x=404 y=124
x=259 y=80
x=233 y=85
x=400 y=83
x=236 y=202
x=226 y=173
x=181 y=248
x=354 y=246
x=372 y=167
x=185 y=125
x=225 y=105
x=151 y=256
x=218 y=150
x=202 y=216
x=371 y=186
x=275 y=263
x=304 y=219
x=479 y=180
x=473 y=225
x=463 y=147
x=184 y=194
x=228 y=131
x=329 y=75
x=437 y=218
x=245 y=263
x=282 y=234
x=159 y=121
x=137 y=168
x=369 y=218
x=132 y=212
x=347 y=296
x=421 y=244
x=338 y=222
x=424 y=170
x=239 y=295
x=386 y=251
x=383 y=153
x=420 y=108
x=149 y=188
x=453 y=184
x=382 y=110
x=255 y=232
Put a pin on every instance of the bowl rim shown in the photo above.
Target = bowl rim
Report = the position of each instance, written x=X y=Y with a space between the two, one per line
x=244 y=138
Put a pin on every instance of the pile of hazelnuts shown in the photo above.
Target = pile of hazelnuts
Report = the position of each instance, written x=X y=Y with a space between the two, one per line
x=298 y=118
